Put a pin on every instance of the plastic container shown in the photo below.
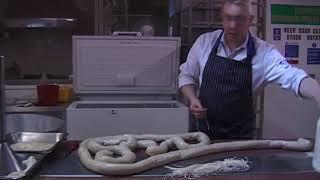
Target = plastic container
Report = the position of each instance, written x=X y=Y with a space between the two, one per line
x=44 y=79
x=316 y=155
x=47 y=94
x=65 y=94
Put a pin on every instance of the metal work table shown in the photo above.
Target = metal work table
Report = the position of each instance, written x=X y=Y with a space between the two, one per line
x=63 y=163
x=294 y=176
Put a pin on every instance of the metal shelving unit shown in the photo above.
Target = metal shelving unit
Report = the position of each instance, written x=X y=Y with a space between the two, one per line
x=200 y=16
x=128 y=15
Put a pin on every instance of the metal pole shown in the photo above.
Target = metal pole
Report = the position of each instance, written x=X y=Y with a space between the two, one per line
x=2 y=101
x=126 y=15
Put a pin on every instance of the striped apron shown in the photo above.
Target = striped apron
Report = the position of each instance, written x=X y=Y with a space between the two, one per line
x=226 y=91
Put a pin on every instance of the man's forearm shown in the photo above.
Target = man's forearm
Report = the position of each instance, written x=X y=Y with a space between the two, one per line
x=309 y=88
x=189 y=92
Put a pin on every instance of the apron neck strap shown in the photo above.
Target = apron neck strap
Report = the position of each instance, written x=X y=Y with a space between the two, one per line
x=251 y=50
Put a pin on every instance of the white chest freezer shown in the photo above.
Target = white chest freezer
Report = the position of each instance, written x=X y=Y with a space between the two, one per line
x=126 y=85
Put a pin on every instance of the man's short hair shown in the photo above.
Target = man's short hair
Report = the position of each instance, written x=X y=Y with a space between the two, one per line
x=244 y=3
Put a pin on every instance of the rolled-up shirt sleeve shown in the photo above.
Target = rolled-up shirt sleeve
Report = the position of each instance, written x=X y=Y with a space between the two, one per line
x=190 y=70
x=279 y=71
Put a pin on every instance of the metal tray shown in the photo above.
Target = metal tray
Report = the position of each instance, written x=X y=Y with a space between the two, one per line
x=5 y=173
x=34 y=138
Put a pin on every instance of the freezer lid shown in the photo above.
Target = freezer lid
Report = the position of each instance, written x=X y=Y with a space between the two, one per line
x=125 y=65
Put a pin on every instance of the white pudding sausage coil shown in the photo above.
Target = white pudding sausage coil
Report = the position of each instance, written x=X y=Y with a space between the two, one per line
x=114 y=155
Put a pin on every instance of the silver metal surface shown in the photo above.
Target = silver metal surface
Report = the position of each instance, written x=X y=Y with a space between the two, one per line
x=32 y=137
x=31 y=122
x=21 y=108
x=262 y=162
x=41 y=23
x=8 y=161
x=2 y=99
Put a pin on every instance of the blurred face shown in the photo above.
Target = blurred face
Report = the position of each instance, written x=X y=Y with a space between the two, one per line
x=236 y=21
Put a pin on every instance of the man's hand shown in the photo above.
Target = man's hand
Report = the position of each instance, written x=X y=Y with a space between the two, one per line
x=197 y=109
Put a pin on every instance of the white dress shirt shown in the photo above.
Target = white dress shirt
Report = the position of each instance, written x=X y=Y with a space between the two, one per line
x=268 y=65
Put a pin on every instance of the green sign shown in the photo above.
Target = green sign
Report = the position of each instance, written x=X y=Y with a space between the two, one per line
x=295 y=14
